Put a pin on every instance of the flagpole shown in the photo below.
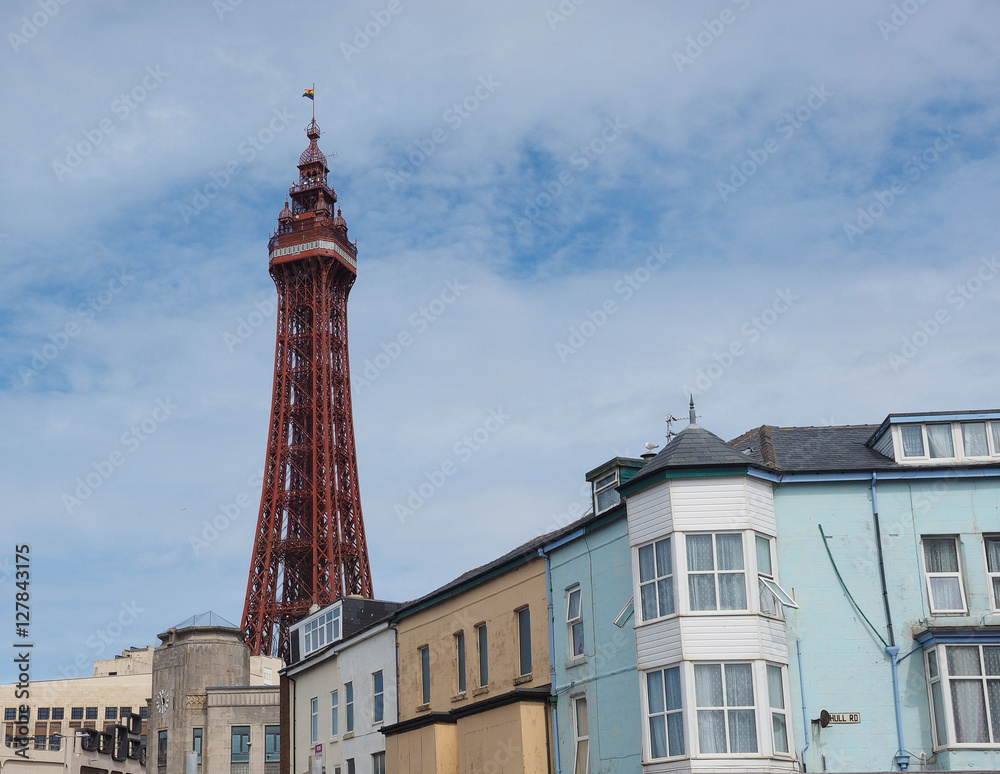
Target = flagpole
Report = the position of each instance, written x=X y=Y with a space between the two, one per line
x=314 y=101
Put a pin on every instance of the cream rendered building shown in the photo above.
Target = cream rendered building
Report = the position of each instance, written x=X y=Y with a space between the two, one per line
x=474 y=674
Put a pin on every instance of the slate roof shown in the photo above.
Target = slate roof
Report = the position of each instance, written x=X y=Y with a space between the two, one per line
x=694 y=447
x=805 y=449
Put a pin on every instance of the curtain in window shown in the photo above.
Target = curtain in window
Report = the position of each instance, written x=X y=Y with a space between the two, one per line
x=665 y=588
x=963 y=660
x=947 y=594
x=970 y=711
x=993 y=692
x=993 y=554
x=657 y=725
x=649 y=608
x=730 y=549
x=701 y=589
x=732 y=591
x=647 y=568
x=974 y=439
x=708 y=693
x=742 y=731
x=664 y=562
x=739 y=685
x=940 y=440
x=940 y=555
x=699 y=553
x=995 y=427
x=913 y=441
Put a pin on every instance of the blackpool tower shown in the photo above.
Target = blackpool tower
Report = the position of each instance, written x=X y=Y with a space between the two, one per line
x=310 y=544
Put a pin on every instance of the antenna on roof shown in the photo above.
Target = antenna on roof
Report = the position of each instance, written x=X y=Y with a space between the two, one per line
x=671 y=433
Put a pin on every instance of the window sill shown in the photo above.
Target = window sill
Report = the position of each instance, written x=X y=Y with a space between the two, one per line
x=460 y=696
x=522 y=679
x=481 y=690
x=423 y=708
x=349 y=735
x=576 y=661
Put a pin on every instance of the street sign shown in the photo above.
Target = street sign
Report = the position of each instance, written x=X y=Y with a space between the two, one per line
x=826 y=718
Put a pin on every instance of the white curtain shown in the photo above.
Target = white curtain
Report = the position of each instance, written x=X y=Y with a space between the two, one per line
x=730 y=549
x=995 y=427
x=649 y=608
x=712 y=731
x=708 y=693
x=647 y=569
x=699 y=553
x=732 y=591
x=940 y=555
x=993 y=692
x=940 y=440
x=701 y=589
x=974 y=439
x=913 y=441
x=993 y=554
x=963 y=660
x=947 y=594
x=658 y=736
x=742 y=731
x=654 y=692
x=970 y=711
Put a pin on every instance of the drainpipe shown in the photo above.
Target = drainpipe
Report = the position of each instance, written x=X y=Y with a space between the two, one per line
x=902 y=758
x=802 y=694
x=552 y=660
x=881 y=564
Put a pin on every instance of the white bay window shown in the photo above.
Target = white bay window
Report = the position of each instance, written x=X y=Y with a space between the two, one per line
x=716 y=572
x=964 y=686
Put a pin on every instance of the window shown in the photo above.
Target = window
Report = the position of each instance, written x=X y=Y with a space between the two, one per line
x=666 y=722
x=272 y=744
x=196 y=740
x=716 y=580
x=10 y=713
x=314 y=719
x=55 y=741
x=932 y=440
x=349 y=707
x=425 y=674
x=350 y=766
x=776 y=700
x=772 y=596
x=268 y=675
x=524 y=641
x=58 y=713
x=482 y=645
x=143 y=712
x=964 y=682
x=605 y=494
x=240 y=752
x=944 y=577
x=974 y=439
x=377 y=698
x=110 y=713
x=76 y=713
x=378 y=763
x=40 y=740
x=322 y=630
x=460 y=660
x=726 y=715
x=91 y=713
x=581 y=735
x=124 y=712
x=334 y=713
x=913 y=441
x=993 y=568
x=656 y=580
x=161 y=750
x=574 y=621
x=43 y=713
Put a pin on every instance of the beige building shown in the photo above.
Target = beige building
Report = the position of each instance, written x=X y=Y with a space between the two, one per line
x=208 y=707
x=474 y=673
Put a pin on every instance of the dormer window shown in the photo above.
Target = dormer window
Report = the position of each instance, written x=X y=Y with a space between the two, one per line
x=605 y=494
x=949 y=440
x=321 y=630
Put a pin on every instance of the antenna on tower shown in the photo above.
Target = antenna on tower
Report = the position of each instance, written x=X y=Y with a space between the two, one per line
x=671 y=433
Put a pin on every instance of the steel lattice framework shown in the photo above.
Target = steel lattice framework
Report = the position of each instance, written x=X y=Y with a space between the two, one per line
x=310 y=544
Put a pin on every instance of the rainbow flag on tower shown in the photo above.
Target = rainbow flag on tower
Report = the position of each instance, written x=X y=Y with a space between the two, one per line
x=311 y=93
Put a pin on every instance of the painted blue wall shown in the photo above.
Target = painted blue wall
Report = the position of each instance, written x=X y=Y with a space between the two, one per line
x=844 y=664
x=600 y=562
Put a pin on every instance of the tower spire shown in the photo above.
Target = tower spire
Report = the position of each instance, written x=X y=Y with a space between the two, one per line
x=310 y=546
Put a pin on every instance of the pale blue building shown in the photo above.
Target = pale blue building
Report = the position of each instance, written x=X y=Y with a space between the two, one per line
x=888 y=538
x=595 y=685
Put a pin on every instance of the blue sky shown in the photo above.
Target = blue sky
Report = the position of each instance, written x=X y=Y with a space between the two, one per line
x=577 y=211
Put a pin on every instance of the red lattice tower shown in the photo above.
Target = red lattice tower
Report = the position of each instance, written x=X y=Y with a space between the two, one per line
x=310 y=545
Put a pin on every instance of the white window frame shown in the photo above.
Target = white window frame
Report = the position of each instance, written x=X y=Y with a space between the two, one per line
x=715 y=572
x=335 y=713
x=660 y=579
x=604 y=483
x=929 y=576
x=778 y=711
x=579 y=738
x=349 y=708
x=483 y=654
x=685 y=751
x=944 y=678
x=992 y=576
x=378 y=698
x=314 y=719
x=378 y=762
x=767 y=582
x=320 y=631
x=575 y=636
x=726 y=708
x=461 y=667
